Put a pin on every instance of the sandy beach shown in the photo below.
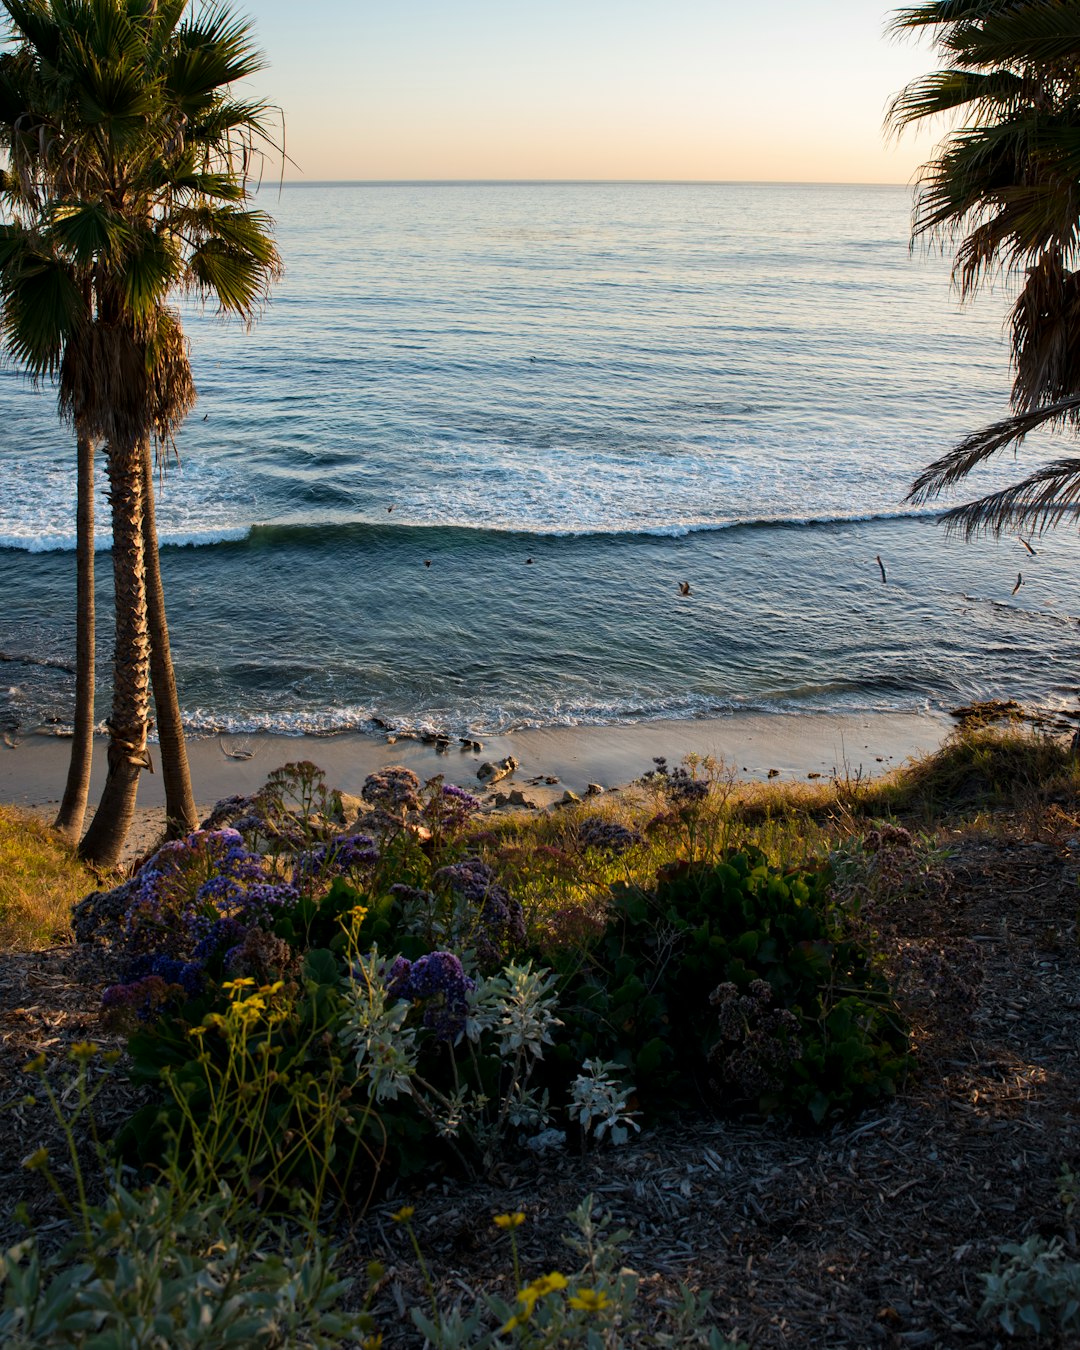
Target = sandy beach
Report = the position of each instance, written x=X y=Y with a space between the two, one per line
x=752 y=746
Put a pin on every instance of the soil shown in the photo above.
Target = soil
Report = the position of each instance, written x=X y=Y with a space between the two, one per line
x=873 y=1233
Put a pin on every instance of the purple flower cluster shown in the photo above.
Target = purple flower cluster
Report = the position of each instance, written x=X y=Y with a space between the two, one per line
x=887 y=836
x=439 y=981
x=449 y=808
x=572 y=927
x=144 y=998
x=186 y=881
x=413 y=894
x=189 y=975
x=348 y=853
x=152 y=983
x=758 y=1042
x=607 y=836
x=500 y=919
x=681 y=786
x=394 y=789
x=221 y=935
x=260 y=955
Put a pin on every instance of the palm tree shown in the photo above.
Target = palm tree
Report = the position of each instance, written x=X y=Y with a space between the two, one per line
x=134 y=161
x=1005 y=188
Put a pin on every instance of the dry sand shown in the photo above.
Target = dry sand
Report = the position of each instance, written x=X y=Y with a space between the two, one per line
x=32 y=772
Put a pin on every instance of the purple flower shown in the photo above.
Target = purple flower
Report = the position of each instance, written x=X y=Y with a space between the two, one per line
x=262 y=903
x=188 y=975
x=222 y=933
x=348 y=853
x=450 y=807
x=500 y=918
x=145 y=998
x=439 y=981
x=607 y=836
x=394 y=789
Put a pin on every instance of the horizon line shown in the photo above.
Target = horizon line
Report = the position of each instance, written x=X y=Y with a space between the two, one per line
x=579 y=182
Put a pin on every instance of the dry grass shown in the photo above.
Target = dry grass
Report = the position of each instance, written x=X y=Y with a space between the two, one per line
x=40 y=880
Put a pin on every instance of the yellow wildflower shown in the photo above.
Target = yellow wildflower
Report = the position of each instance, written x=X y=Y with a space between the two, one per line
x=35 y=1065
x=404 y=1214
x=509 y=1220
x=527 y=1297
x=237 y=986
x=36 y=1160
x=548 y=1284
x=372 y=1342
x=589 y=1300
x=82 y=1050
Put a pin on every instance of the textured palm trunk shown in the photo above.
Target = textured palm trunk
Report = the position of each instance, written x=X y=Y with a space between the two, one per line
x=129 y=721
x=179 y=799
x=69 y=820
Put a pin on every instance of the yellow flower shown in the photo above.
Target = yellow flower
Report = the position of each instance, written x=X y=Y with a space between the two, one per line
x=404 y=1214
x=372 y=1342
x=35 y=1065
x=548 y=1284
x=527 y=1297
x=82 y=1050
x=589 y=1300
x=237 y=986
x=36 y=1160
x=509 y=1220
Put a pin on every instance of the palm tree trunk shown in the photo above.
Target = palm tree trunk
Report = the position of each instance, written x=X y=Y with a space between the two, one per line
x=179 y=799
x=129 y=722
x=69 y=820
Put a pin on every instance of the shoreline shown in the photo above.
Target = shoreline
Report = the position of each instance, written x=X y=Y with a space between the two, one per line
x=754 y=746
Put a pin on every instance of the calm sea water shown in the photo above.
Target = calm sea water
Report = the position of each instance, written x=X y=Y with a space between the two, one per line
x=630 y=385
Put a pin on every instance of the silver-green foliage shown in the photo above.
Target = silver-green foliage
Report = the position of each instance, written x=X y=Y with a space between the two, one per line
x=155 y=1272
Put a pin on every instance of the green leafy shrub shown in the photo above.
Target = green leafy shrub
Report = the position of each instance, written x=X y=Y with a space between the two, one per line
x=1034 y=1290
x=254 y=1089
x=740 y=980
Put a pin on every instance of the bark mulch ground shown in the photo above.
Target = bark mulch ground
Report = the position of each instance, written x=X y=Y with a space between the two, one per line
x=872 y=1234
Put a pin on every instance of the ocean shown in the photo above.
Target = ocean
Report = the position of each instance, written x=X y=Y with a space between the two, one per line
x=455 y=475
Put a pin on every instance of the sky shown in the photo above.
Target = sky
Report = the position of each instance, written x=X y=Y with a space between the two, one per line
x=792 y=90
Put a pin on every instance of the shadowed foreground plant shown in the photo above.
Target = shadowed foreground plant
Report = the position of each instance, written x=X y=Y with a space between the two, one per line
x=173 y=1264
x=593 y=1306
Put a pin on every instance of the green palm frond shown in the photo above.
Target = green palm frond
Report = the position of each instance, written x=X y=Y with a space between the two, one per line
x=213 y=51
x=981 y=445
x=41 y=304
x=233 y=277
x=1033 y=34
x=939 y=12
x=146 y=274
x=1046 y=336
x=1037 y=503
x=32 y=21
x=129 y=162
x=85 y=231
x=983 y=94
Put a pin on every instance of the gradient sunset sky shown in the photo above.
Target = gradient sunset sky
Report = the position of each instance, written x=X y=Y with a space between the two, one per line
x=792 y=90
